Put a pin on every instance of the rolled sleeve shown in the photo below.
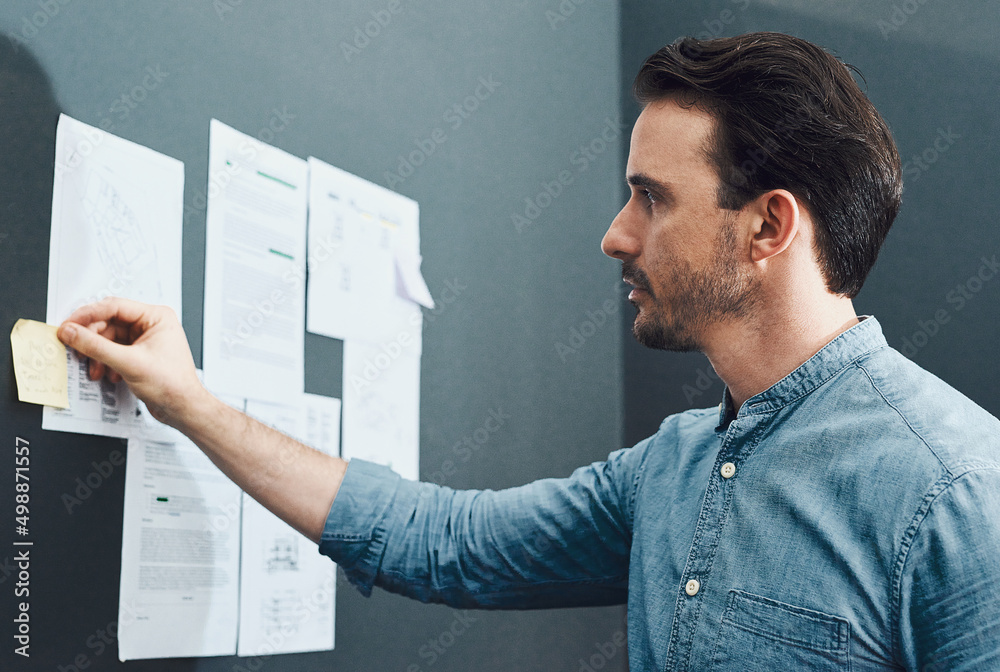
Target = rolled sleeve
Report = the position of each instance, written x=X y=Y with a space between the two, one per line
x=551 y=543
x=354 y=534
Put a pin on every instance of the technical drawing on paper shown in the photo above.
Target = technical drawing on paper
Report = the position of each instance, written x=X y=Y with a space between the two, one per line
x=278 y=612
x=282 y=555
x=381 y=413
x=122 y=247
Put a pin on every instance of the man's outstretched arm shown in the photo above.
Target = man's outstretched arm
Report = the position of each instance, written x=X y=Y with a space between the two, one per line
x=146 y=347
x=555 y=542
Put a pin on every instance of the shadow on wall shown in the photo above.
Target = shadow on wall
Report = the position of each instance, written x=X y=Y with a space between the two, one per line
x=82 y=610
x=28 y=114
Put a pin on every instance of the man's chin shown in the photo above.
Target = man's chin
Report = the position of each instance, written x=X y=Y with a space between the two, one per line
x=659 y=337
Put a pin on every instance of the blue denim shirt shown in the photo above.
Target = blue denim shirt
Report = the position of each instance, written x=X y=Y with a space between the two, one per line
x=847 y=518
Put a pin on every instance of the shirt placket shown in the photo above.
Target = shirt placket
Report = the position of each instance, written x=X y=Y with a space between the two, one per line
x=695 y=581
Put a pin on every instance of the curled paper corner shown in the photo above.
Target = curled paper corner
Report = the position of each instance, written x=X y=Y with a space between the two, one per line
x=410 y=282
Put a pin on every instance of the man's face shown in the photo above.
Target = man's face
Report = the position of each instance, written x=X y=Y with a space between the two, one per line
x=686 y=258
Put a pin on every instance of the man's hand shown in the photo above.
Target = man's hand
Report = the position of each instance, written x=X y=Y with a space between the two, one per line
x=146 y=347
x=143 y=345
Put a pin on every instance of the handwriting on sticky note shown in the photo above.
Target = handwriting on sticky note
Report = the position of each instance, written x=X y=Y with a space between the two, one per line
x=39 y=364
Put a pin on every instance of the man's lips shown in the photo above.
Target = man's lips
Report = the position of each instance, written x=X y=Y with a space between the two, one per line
x=638 y=289
x=637 y=293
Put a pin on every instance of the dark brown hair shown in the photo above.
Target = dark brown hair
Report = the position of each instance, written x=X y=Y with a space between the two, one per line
x=790 y=116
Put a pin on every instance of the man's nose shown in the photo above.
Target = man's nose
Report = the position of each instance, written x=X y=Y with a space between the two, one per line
x=620 y=241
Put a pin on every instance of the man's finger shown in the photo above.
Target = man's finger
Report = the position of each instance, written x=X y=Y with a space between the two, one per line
x=107 y=310
x=95 y=346
x=95 y=369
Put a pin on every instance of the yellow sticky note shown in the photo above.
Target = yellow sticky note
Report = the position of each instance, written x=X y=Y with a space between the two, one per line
x=39 y=364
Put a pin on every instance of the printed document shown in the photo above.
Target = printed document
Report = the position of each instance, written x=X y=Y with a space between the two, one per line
x=255 y=251
x=117 y=217
x=382 y=405
x=180 y=583
x=364 y=257
x=287 y=592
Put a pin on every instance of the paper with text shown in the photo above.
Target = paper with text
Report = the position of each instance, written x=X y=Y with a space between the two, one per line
x=255 y=261
x=117 y=220
x=180 y=583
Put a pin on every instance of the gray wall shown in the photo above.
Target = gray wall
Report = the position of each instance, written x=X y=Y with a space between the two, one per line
x=928 y=66
x=496 y=347
x=492 y=348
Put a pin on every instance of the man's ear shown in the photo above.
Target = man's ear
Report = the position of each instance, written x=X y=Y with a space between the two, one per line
x=776 y=223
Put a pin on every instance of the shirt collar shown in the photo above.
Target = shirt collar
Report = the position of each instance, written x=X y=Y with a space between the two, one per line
x=835 y=356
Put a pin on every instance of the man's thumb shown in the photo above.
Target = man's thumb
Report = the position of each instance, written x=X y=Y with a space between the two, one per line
x=95 y=346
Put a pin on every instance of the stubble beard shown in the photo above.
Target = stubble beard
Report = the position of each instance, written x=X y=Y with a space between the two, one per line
x=698 y=299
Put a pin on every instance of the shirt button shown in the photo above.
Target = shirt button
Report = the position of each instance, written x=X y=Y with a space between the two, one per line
x=728 y=470
x=692 y=587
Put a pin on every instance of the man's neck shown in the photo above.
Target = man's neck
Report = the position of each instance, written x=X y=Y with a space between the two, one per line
x=751 y=356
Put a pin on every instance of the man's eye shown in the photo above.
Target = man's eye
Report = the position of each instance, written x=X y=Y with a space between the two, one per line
x=648 y=196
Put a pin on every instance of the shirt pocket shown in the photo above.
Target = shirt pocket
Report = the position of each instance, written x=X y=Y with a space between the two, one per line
x=764 y=635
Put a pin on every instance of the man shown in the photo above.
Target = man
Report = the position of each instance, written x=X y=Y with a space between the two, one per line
x=839 y=510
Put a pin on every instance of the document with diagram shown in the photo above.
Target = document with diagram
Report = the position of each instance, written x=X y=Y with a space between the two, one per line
x=382 y=405
x=117 y=221
x=364 y=258
x=287 y=592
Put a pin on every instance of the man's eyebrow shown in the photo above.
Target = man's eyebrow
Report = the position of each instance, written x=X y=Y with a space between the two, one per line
x=643 y=180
